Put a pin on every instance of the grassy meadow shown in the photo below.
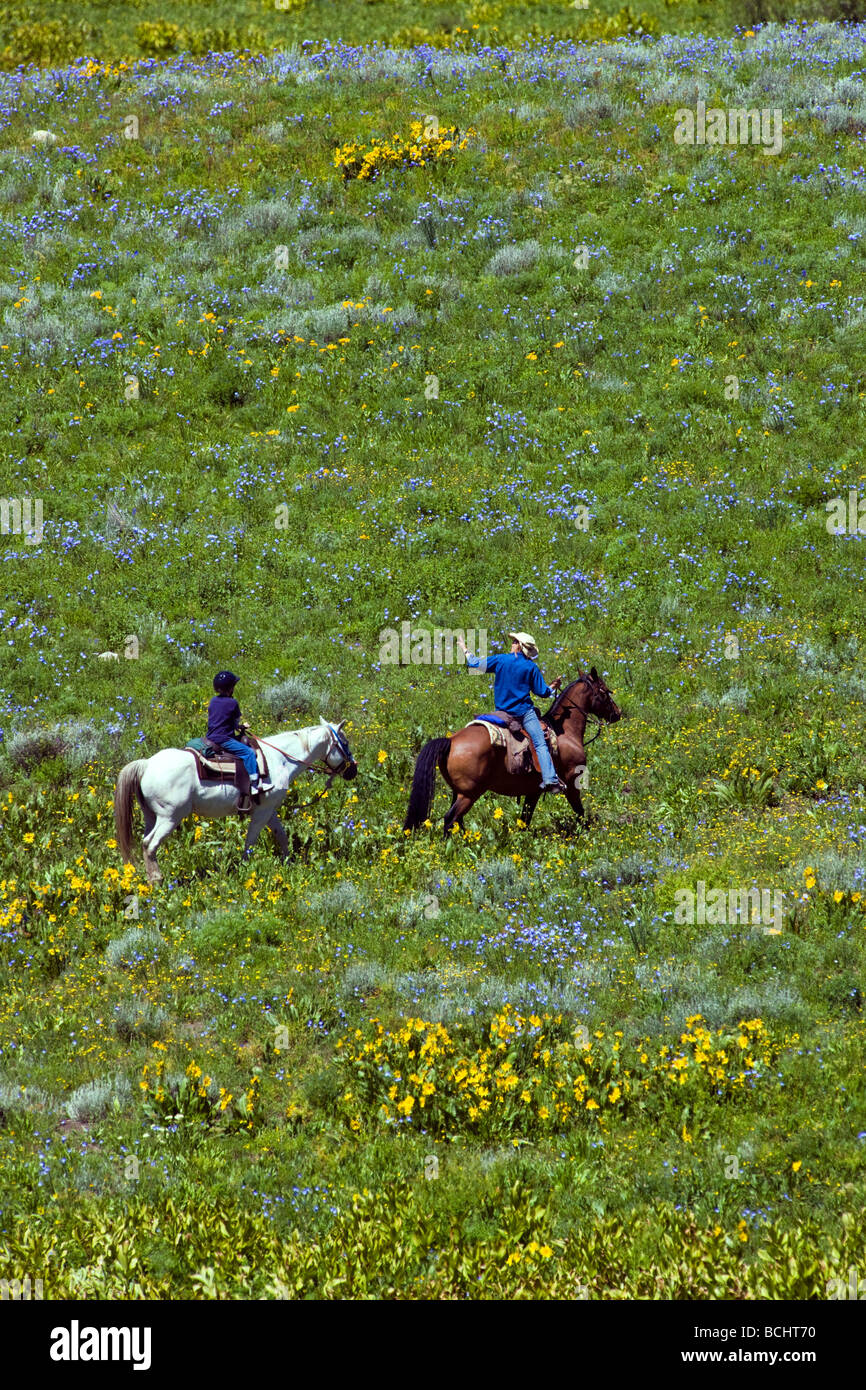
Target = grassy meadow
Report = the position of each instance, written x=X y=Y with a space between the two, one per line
x=51 y=32
x=297 y=346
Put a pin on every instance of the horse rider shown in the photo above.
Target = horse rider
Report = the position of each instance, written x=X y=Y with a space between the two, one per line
x=224 y=724
x=516 y=677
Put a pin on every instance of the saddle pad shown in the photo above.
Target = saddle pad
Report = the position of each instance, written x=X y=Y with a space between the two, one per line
x=520 y=756
x=212 y=764
x=201 y=745
x=506 y=720
x=494 y=729
x=500 y=735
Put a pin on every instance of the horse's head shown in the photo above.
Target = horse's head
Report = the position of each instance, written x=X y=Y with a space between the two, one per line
x=339 y=755
x=600 y=701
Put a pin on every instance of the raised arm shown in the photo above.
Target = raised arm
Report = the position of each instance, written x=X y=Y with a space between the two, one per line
x=486 y=663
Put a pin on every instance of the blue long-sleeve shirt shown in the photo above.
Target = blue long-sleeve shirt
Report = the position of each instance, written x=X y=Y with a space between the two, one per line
x=223 y=717
x=515 y=679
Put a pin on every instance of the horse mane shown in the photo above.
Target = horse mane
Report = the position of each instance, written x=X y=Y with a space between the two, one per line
x=554 y=708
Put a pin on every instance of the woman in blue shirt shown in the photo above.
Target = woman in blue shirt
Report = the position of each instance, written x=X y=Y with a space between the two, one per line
x=516 y=678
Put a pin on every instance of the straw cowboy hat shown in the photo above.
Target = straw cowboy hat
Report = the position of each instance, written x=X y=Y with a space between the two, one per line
x=527 y=643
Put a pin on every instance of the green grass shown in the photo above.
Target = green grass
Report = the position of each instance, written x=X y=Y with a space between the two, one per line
x=49 y=34
x=184 y=1110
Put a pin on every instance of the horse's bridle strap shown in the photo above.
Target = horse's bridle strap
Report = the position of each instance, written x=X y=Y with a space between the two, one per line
x=301 y=762
x=587 y=714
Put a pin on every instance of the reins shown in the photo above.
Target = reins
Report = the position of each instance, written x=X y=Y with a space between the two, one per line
x=299 y=762
x=599 y=722
x=587 y=714
x=310 y=766
x=326 y=788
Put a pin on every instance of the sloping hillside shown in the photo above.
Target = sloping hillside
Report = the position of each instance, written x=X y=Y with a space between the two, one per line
x=298 y=349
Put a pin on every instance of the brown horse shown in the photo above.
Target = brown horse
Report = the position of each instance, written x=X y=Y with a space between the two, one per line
x=472 y=765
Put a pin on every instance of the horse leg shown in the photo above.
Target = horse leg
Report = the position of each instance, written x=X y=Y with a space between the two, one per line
x=162 y=828
x=278 y=835
x=258 y=820
x=573 y=797
x=529 y=805
x=457 y=810
x=466 y=770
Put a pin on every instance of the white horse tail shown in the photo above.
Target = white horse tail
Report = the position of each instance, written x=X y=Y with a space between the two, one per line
x=128 y=784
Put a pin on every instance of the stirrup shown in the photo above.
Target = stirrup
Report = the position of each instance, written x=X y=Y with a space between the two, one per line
x=557 y=788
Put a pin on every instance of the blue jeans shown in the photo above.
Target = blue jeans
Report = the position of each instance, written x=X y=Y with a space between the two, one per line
x=246 y=754
x=532 y=725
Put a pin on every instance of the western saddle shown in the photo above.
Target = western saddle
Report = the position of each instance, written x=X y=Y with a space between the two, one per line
x=507 y=730
x=215 y=766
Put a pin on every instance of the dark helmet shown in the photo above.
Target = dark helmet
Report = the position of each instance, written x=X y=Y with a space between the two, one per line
x=225 y=680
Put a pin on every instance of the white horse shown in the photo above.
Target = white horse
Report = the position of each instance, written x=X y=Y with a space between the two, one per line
x=168 y=789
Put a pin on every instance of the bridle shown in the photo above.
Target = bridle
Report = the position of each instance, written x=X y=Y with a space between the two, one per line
x=587 y=713
x=325 y=769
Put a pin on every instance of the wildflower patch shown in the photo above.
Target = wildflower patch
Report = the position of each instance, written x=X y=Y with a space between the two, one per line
x=535 y=1074
x=425 y=145
x=192 y=1101
x=837 y=907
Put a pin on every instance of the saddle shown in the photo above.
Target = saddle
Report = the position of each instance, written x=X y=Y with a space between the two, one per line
x=216 y=766
x=506 y=731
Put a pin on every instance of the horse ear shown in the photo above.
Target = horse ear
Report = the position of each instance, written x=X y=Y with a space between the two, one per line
x=594 y=673
x=324 y=721
x=340 y=725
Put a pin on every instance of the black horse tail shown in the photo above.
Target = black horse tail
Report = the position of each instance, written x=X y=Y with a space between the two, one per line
x=423 y=782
